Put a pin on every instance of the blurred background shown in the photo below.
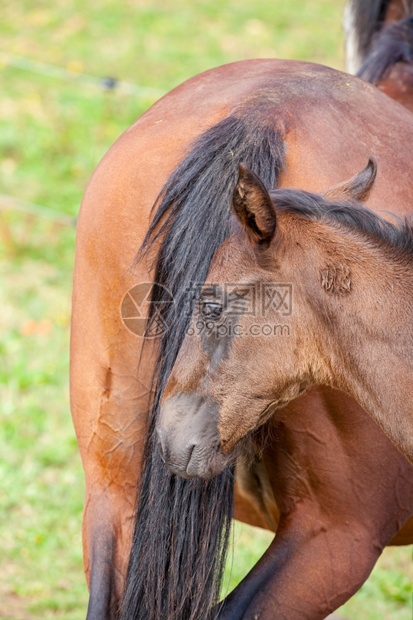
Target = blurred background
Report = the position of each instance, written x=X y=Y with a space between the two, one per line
x=74 y=75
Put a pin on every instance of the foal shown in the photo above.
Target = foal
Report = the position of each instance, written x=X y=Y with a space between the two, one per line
x=347 y=323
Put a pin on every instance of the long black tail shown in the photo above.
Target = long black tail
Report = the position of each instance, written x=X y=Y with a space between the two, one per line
x=182 y=526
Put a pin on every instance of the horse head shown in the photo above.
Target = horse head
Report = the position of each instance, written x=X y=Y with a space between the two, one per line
x=251 y=347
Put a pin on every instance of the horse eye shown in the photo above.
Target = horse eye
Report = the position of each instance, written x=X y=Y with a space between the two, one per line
x=211 y=310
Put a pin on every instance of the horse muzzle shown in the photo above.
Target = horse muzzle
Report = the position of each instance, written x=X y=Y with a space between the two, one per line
x=188 y=437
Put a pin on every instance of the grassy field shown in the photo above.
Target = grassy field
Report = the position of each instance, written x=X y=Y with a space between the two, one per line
x=52 y=135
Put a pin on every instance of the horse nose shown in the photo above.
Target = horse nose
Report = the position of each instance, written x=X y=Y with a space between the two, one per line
x=188 y=437
x=179 y=462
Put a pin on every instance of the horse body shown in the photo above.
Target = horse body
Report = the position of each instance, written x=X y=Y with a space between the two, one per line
x=318 y=463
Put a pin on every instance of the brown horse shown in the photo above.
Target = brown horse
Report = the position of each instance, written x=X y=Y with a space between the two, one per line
x=342 y=278
x=326 y=479
x=379 y=36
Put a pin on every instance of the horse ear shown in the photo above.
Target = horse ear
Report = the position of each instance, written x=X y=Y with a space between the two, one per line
x=253 y=206
x=356 y=188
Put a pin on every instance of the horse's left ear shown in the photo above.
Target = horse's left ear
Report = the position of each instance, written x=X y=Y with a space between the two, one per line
x=356 y=188
x=253 y=206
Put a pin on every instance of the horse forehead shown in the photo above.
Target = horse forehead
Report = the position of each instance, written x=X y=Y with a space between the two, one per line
x=235 y=255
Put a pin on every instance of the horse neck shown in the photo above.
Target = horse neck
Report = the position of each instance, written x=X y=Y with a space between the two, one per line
x=362 y=305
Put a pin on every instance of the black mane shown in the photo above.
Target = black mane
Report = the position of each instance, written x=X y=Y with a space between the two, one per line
x=352 y=216
x=392 y=45
x=182 y=526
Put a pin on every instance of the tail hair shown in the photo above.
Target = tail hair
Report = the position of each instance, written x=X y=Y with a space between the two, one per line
x=182 y=526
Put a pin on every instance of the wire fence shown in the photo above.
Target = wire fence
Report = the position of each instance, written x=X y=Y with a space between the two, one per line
x=77 y=77
x=106 y=84
x=17 y=204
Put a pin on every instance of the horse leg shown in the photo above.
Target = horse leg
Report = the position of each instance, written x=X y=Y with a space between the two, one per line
x=307 y=572
x=102 y=544
x=109 y=389
x=340 y=505
x=109 y=412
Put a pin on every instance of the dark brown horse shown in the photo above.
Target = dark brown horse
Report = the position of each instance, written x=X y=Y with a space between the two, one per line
x=324 y=476
x=379 y=36
x=342 y=281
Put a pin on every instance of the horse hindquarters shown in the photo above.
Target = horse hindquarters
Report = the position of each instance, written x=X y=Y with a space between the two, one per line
x=109 y=395
x=110 y=381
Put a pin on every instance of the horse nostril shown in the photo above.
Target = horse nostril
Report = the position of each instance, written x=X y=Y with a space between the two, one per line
x=161 y=444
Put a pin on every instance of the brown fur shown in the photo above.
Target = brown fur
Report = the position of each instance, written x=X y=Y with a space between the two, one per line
x=342 y=490
x=341 y=333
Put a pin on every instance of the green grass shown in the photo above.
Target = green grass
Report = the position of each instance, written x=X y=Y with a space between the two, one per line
x=52 y=135
x=41 y=489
